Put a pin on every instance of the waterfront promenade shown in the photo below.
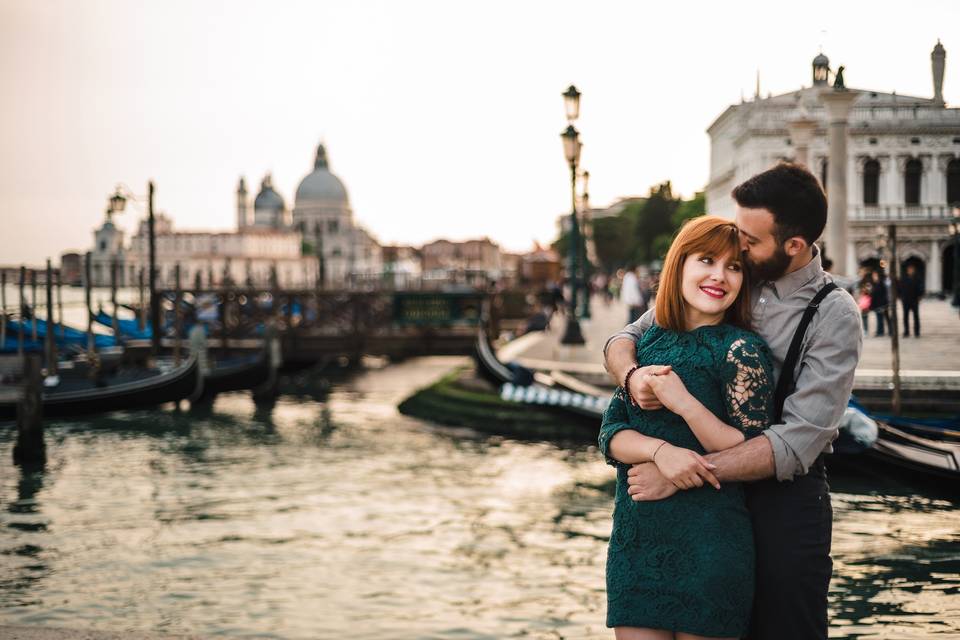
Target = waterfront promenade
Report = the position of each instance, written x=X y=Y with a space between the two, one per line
x=932 y=361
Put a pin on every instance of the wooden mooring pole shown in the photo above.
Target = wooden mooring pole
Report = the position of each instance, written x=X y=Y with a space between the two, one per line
x=30 y=448
x=23 y=306
x=3 y=309
x=114 y=320
x=87 y=297
x=142 y=308
x=177 y=315
x=33 y=305
x=894 y=330
x=63 y=331
x=50 y=349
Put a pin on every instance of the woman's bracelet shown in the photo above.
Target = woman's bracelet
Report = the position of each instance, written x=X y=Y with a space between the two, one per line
x=626 y=384
x=653 y=458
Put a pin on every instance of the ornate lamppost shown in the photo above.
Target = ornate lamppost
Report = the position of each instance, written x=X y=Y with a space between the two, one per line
x=118 y=202
x=586 y=236
x=571 y=150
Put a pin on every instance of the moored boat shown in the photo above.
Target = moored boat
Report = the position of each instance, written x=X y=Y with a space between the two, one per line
x=79 y=394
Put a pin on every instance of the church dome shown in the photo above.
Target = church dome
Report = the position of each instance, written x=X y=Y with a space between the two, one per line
x=821 y=61
x=321 y=185
x=268 y=199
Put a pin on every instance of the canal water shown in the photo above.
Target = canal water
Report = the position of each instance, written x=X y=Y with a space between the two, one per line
x=332 y=516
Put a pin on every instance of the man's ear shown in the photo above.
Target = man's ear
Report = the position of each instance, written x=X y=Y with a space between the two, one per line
x=795 y=245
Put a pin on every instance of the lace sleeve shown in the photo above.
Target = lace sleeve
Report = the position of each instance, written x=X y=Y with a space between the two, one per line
x=616 y=418
x=749 y=390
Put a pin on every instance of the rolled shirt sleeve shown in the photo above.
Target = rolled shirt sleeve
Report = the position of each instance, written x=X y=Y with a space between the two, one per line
x=812 y=413
x=633 y=331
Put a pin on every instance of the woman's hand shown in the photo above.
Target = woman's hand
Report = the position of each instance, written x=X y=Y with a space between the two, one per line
x=670 y=391
x=684 y=468
x=640 y=390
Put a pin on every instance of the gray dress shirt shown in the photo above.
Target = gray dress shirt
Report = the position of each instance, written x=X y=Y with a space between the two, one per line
x=824 y=374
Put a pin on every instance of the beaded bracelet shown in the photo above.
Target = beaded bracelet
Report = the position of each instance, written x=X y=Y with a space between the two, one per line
x=626 y=384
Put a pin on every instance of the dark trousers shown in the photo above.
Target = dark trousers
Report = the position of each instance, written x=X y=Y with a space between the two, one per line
x=909 y=307
x=881 y=314
x=792 y=526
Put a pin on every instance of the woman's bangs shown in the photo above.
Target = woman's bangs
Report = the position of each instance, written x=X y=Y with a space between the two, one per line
x=718 y=242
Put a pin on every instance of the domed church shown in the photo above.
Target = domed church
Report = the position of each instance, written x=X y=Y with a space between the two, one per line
x=322 y=212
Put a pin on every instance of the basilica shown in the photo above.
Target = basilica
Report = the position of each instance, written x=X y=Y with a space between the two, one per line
x=317 y=243
x=903 y=164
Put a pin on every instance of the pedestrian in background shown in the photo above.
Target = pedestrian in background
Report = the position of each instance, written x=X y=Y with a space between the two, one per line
x=910 y=289
x=630 y=294
x=879 y=302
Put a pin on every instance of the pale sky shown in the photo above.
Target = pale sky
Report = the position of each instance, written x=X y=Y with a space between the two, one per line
x=442 y=118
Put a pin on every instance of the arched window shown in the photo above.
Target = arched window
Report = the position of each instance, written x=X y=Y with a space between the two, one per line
x=953 y=182
x=871 y=182
x=911 y=181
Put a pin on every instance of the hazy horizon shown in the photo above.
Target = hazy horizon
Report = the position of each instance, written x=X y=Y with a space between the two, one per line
x=442 y=119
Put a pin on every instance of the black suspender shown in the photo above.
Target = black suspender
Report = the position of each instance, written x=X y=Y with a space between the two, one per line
x=785 y=383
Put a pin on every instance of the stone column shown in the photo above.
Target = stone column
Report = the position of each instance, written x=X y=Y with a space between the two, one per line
x=837 y=103
x=801 y=134
x=934 y=268
x=885 y=195
x=929 y=186
x=940 y=196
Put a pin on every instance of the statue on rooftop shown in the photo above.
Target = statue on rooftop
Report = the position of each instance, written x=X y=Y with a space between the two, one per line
x=838 y=79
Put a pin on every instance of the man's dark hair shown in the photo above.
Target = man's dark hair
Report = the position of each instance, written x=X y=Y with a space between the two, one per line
x=794 y=197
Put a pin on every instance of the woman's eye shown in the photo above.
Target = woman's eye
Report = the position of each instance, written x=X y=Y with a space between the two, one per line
x=706 y=260
x=734 y=267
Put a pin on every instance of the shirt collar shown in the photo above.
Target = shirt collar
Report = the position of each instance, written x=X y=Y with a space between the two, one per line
x=790 y=283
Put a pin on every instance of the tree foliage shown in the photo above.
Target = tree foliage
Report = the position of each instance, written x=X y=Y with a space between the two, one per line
x=643 y=231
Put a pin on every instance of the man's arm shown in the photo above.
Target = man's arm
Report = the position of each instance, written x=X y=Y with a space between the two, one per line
x=812 y=413
x=750 y=460
x=620 y=356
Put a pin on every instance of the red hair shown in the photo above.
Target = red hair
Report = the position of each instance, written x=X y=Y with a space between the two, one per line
x=707 y=235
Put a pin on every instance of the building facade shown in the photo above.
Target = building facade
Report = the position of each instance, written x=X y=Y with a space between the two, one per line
x=903 y=164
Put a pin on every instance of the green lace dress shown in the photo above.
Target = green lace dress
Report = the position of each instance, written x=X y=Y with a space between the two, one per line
x=686 y=563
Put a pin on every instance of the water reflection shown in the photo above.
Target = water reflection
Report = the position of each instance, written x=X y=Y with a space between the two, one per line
x=330 y=515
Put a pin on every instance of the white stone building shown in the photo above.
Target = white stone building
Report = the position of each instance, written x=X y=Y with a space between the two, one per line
x=903 y=164
x=322 y=212
x=215 y=258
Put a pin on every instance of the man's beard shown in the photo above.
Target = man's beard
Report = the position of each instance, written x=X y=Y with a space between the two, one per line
x=770 y=269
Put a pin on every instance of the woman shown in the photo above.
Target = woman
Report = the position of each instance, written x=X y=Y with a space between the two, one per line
x=683 y=567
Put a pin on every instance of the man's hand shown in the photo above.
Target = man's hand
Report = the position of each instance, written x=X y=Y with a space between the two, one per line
x=640 y=389
x=684 y=468
x=646 y=483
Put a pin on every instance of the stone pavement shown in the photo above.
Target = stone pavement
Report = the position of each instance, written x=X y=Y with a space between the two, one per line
x=933 y=360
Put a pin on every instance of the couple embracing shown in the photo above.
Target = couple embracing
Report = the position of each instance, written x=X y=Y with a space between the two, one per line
x=731 y=392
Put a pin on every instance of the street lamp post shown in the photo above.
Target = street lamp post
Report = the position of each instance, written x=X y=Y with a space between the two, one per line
x=571 y=149
x=571 y=145
x=118 y=201
x=586 y=233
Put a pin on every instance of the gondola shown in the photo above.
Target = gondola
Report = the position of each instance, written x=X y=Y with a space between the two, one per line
x=62 y=334
x=864 y=438
x=236 y=374
x=77 y=394
x=11 y=345
x=128 y=328
x=518 y=384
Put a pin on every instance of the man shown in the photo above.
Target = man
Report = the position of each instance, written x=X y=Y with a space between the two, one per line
x=780 y=213
x=910 y=291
